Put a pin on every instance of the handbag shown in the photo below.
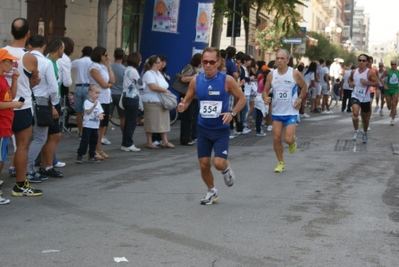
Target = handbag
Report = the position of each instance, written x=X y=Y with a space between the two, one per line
x=168 y=101
x=44 y=115
x=178 y=85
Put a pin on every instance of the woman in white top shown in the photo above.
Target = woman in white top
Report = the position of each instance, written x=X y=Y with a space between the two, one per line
x=311 y=78
x=100 y=73
x=156 y=118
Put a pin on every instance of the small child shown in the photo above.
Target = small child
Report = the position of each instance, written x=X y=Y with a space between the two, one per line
x=7 y=106
x=93 y=113
x=335 y=92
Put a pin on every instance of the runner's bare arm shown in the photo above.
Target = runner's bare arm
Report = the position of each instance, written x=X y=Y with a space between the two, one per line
x=373 y=79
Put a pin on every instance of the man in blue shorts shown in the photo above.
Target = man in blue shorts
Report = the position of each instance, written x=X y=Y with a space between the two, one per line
x=284 y=82
x=213 y=89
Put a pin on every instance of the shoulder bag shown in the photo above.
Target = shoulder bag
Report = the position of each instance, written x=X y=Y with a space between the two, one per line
x=178 y=85
x=44 y=113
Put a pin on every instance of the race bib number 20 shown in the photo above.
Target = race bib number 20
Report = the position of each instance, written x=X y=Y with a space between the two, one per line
x=210 y=109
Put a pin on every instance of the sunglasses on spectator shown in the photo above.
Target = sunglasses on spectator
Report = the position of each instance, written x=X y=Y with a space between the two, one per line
x=211 y=62
x=362 y=60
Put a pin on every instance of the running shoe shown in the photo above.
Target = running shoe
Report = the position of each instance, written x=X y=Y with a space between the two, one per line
x=60 y=164
x=105 y=141
x=280 y=167
x=229 y=177
x=354 y=138
x=269 y=128
x=246 y=130
x=25 y=190
x=261 y=134
x=381 y=112
x=305 y=115
x=36 y=177
x=3 y=200
x=210 y=198
x=51 y=173
x=94 y=160
x=292 y=148
x=364 y=139
x=392 y=122
x=376 y=109
x=79 y=159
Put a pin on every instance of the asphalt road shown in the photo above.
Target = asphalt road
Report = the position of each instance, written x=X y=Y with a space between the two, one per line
x=336 y=204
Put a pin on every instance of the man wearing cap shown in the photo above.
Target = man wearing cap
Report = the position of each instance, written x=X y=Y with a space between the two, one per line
x=82 y=82
x=7 y=93
x=23 y=117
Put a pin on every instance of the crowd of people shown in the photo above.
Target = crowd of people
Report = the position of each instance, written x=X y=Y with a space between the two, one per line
x=222 y=93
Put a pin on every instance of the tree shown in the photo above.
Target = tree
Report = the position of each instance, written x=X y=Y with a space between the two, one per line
x=102 y=22
x=285 y=15
x=219 y=8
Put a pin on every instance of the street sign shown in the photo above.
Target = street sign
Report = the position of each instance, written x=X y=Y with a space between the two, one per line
x=301 y=49
x=291 y=40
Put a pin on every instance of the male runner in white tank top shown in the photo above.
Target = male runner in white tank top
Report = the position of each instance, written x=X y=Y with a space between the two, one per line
x=22 y=124
x=284 y=82
x=361 y=80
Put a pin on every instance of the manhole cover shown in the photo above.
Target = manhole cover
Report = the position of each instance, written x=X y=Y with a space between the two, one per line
x=349 y=145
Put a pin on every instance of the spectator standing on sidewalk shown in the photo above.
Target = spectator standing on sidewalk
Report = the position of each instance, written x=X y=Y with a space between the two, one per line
x=91 y=122
x=131 y=101
x=82 y=82
x=7 y=94
x=23 y=117
x=101 y=74
x=56 y=50
x=46 y=89
x=117 y=88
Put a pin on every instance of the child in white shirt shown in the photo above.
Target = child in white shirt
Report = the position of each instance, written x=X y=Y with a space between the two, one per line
x=93 y=113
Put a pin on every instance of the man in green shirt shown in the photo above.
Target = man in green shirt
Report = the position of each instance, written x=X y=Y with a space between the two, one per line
x=391 y=88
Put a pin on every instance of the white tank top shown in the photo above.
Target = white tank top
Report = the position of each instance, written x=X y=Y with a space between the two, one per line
x=361 y=92
x=285 y=93
x=24 y=77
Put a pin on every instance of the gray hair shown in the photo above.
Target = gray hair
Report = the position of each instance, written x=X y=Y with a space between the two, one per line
x=288 y=55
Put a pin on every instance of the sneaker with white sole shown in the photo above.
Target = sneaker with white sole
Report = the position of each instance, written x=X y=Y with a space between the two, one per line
x=36 y=177
x=261 y=134
x=25 y=190
x=354 y=138
x=105 y=141
x=364 y=139
x=325 y=112
x=269 y=128
x=376 y=109
x=280 y=167
x=3 y=200
x=246 y=130
x=60 y=164
x=210 y=198
x=305 y=115
x=131 y=148
x=228 y=176
x=381 y=112
x=392 y=122
x=292 y=148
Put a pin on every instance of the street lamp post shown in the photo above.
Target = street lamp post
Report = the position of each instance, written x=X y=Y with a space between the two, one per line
x=332 y=29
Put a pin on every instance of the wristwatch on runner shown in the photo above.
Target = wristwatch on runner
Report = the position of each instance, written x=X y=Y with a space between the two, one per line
x=233 y=113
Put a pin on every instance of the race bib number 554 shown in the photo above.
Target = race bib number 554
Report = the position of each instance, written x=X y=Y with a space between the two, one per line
x=210 y=109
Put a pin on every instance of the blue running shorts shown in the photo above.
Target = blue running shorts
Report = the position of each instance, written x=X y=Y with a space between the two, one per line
x=4 y=149
x=213 y=139
x=286 y=120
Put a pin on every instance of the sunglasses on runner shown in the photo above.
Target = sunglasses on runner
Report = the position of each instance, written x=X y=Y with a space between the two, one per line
x=211 y=62
x=362 y=60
